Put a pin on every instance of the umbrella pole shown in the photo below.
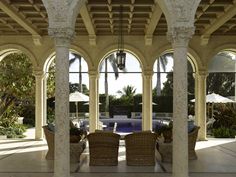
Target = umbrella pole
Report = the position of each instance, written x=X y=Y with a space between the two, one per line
x=208 y=111
x=76 y=110
x=212 y=111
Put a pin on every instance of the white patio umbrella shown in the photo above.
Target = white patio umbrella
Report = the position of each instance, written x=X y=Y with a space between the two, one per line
x=78 y=97
x=152 y=103
x=88 y=103
x=215 y=98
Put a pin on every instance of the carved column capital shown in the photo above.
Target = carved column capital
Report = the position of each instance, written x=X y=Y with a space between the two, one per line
x=39 y=74
x=147 y=73
x=202 y=74
x=93 y=73
x=180 y=36
x=62 y=36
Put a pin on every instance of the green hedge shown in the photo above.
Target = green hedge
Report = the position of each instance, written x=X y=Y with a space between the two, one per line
x=14 y=131
x=224 y=132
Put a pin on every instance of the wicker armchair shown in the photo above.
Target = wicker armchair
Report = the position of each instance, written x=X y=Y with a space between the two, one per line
x=165 y=149
x=103 y=148
x=140 y=148
x=192 y=138
x=76 y=149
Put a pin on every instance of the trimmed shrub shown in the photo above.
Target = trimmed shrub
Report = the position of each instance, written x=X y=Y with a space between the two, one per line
x=224 y=132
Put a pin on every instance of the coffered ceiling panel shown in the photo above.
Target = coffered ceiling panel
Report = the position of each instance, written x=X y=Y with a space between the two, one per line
x=213 y=17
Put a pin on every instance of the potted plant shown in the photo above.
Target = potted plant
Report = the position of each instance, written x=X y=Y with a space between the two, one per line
x=166 y=132
x=74 y=135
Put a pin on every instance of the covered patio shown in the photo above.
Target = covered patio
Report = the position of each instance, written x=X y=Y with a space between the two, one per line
x=20 y=158
x=47 y=29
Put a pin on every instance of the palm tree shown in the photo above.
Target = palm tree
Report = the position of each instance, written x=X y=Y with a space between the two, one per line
x=127 y=91
x=72 y=60
x=127 y=95
x=112 y=60
x=161 y=62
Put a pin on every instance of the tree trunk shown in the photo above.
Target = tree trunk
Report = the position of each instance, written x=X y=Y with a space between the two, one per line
x=158 y=85
x=5 y=104
x=235 y=83
x=80 y=77
x=106 y=88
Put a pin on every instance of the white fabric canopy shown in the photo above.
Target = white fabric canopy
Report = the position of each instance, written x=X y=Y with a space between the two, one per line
x=88 y=103
x=152 y=103
x=216 y=98
x=78 y=97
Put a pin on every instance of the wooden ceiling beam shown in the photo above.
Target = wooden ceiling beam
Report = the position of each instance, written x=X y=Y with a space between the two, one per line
x=155 y=17
x=21 y=21
x=221 y=20
x=88 y=24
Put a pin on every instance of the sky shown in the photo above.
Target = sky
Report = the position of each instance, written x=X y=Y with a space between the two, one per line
x=133 y=79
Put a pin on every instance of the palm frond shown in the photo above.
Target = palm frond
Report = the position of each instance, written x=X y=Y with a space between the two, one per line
x=112 y=61
x=127 y=91
x=163 y=61
x=72 y=60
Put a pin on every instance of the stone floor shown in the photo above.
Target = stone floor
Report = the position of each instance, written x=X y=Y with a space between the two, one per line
x=26 y=158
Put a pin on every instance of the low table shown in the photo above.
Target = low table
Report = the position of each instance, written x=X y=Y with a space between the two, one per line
x=122 y=135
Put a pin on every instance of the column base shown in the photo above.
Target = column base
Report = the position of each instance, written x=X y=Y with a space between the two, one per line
x=202 y=139
x=38 y=139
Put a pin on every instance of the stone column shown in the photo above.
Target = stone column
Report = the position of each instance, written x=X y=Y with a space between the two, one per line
x=93 y=101
x=196 y=98
x=45 y=99
x=200 y=102
x=147 y=101
x=234 y=106
x=62 y=159
x=179 y=37
x=38 y=104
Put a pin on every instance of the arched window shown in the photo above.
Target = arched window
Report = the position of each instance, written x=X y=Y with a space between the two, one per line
x=163 y=86
x=78 y=82
x=120 y=92
x=221 y=78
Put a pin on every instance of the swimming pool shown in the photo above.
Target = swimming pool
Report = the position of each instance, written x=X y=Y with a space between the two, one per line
x=125 y=124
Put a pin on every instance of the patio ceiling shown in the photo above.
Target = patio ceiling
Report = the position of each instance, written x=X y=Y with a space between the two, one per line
x=101 y=17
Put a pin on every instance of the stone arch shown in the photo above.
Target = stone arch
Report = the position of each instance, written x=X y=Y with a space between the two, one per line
x=225 y=47
x=50 y=55
x=12 y=48
x=195 y=59
x=158 y=52
x=134 y=51
x=48 y=61
x=84 y=54
x=179 y=13
x=75 y=9
x=56 y=13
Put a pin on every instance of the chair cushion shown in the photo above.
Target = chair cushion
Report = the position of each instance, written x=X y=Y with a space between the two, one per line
x=191 y=126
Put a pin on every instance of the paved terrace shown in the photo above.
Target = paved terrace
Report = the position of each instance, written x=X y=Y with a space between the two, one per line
x=26 y=158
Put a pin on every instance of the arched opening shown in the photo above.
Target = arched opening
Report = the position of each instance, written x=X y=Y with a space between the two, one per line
x=120 y=94
x=221 y=94
x=78 y=83
x=163 y=89
x=17 y=93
